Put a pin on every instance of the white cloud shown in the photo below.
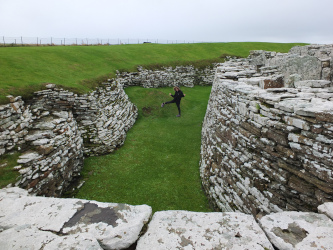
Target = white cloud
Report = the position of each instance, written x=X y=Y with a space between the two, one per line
x=190 y=20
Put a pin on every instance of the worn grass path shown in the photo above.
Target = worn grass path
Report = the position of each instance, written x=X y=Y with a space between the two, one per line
x=159 y=162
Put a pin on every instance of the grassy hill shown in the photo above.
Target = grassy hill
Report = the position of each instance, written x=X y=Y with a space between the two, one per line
x=24 y=70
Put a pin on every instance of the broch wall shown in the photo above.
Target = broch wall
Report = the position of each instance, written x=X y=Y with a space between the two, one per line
x=55 y=129
x=187 y=76
x=268 y=132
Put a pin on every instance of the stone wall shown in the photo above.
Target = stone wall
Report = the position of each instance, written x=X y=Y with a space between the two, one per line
x=267 y=148
x=187 y=76
x=57 y=127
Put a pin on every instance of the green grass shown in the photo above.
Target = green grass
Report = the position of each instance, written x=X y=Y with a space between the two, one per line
x=7 y=173
x=159 y=162
x=24 y=70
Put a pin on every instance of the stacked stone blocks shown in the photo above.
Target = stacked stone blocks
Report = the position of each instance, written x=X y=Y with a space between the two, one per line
x=267 y=148
x=55 y=129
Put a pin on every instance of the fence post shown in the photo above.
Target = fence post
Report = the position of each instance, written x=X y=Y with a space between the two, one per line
x=37 y=41
x=21 y=41
x=64 y=41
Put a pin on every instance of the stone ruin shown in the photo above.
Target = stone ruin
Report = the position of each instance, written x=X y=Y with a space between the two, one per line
x=268 y=132
x=55 y=130
x=266 y=160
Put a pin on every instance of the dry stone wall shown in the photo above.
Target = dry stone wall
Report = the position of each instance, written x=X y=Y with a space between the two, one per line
x=268 y=132
x=187 y=76
x=55 y=129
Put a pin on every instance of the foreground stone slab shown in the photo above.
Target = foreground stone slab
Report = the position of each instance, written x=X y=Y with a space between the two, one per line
x=298 y=230
x=194 y=230
x=30 y=237
x=40 y=222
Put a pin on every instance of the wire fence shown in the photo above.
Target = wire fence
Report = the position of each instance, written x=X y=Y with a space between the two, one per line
x=52 y=41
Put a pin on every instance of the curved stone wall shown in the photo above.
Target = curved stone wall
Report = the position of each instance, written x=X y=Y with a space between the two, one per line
x=187 y=76
x=55 y=129
x=267 y=148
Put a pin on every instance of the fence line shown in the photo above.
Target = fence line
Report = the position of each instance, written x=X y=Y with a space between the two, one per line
x=42 y=41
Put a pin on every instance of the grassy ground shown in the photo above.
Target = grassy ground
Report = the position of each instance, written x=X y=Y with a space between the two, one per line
x=7 y=173
x=24 y=70
x=159 y=162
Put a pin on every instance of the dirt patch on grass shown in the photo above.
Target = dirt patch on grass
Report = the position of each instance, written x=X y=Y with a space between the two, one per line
x=146 y=111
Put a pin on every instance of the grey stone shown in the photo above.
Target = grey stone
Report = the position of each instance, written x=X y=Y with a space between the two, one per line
x=327 y=209
x=45 y=125
x=27 y=157
x=298 y=230
x=50 y=86
x=312 y=84
x=31 y=219
x=194 y=230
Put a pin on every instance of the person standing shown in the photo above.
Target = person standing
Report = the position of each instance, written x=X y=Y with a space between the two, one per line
x=176 y=98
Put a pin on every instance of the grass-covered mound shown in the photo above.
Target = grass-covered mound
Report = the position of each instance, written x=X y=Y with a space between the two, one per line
x=24 y=70
x=159 y=162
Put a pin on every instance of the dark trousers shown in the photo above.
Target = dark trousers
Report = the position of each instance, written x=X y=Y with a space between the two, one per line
x=177 y=103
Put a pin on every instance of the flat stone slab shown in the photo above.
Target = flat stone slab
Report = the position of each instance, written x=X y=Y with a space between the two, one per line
x=44 y=222
x=195 y=230
x=30 y=237
x=326 y=208
x=313 y=84
x=298 y=230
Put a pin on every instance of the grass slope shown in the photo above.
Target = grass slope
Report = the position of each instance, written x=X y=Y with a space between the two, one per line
x=159 y=162
x=7 y=173
x=24 y=70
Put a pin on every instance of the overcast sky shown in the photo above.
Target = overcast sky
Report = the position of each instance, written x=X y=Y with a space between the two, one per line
x=307 y=21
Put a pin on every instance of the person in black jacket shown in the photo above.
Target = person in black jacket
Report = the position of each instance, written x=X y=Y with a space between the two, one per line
x=176 y=99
